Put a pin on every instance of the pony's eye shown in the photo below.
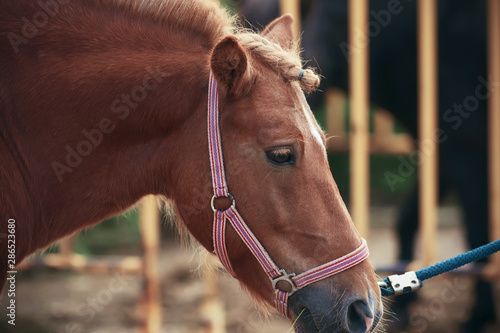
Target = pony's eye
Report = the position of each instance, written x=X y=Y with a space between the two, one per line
x=281 y=156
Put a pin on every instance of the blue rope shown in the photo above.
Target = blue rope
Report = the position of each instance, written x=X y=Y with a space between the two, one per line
x=447 y=265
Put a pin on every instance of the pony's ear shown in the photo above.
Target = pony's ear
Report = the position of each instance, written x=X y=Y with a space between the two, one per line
x=280 y=31
x=229 y=63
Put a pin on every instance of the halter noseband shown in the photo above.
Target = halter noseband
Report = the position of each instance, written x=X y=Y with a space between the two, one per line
x=274 y=273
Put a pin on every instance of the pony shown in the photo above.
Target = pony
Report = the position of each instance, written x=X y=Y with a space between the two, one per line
x=105 y=101
x=462 y=107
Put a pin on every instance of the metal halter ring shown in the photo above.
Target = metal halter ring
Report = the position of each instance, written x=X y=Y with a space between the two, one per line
x=287 y=277
x=212 y=201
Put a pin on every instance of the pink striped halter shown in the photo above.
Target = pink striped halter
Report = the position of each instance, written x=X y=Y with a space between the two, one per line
x=274 y=273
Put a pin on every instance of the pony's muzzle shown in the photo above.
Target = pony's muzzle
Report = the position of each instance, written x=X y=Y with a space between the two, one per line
x=317 y=310
x=359 y=317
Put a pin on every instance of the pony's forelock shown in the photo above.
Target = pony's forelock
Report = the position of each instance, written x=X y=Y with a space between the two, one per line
x=288 y=64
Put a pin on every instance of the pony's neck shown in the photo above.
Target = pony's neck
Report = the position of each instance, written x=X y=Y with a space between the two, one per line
x=133 y=152
x=114 y=124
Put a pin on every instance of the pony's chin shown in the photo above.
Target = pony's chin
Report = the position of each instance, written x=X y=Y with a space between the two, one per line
x=305 y=323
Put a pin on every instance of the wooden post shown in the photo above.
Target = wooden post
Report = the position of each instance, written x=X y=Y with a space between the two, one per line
x=427 y=122
x=292 y=7
x=212 y=309
x=150 y=234
x=494 y=120
x=66 y=250
x=335 y=103
x=359 y=94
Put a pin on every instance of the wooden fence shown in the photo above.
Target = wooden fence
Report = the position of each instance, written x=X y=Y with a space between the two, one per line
x=360 y=143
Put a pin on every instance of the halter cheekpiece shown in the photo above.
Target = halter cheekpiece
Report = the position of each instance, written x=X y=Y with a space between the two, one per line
x=275 y=274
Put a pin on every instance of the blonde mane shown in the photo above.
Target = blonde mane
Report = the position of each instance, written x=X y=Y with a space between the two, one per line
x=207 y=18
x=214 y=22
x=287 y=63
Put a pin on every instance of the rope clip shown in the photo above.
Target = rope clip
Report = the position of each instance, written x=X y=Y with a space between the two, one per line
x=403 y=283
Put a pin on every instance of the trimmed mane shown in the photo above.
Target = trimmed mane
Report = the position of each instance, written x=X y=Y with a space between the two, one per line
x=287 y=64
x=204 y=17
x=207 y=21
x=214 y=22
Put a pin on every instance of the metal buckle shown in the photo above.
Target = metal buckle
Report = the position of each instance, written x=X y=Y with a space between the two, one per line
x=382 y=284
x=404 y=282
x=212 y=201
x=287 y=277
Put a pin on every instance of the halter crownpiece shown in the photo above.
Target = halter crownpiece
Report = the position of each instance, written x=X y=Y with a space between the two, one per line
x=279 y=277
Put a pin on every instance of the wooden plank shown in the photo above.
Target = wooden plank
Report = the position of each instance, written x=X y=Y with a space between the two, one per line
x=150 y=234
x=212 y=309
x=66 y=248
x=335 y=119
x=494 y=121
x=383 y=123
x=359 y=94
x=292 y=7
x=94 y=264
x=428 y=123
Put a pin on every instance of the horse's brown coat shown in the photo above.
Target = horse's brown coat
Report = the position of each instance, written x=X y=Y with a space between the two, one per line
x=106 y=102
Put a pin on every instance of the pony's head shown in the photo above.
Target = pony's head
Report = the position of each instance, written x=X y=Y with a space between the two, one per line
x=277 y=170
x=152 y=138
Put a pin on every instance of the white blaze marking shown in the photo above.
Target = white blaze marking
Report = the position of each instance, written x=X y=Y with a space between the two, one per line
x=313 y=125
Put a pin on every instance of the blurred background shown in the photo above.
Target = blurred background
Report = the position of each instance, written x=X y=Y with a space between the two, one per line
x=105 y=280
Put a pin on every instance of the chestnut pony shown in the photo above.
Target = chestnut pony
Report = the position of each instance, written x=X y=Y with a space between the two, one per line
x=103 y=102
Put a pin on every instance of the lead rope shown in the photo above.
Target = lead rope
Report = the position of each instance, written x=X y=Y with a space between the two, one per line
x=412 y=281
x=274 y=273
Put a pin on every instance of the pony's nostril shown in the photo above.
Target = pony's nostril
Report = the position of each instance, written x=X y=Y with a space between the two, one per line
x=359 y=317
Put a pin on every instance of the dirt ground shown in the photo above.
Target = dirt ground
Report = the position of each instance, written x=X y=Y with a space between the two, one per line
x=68 y=302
